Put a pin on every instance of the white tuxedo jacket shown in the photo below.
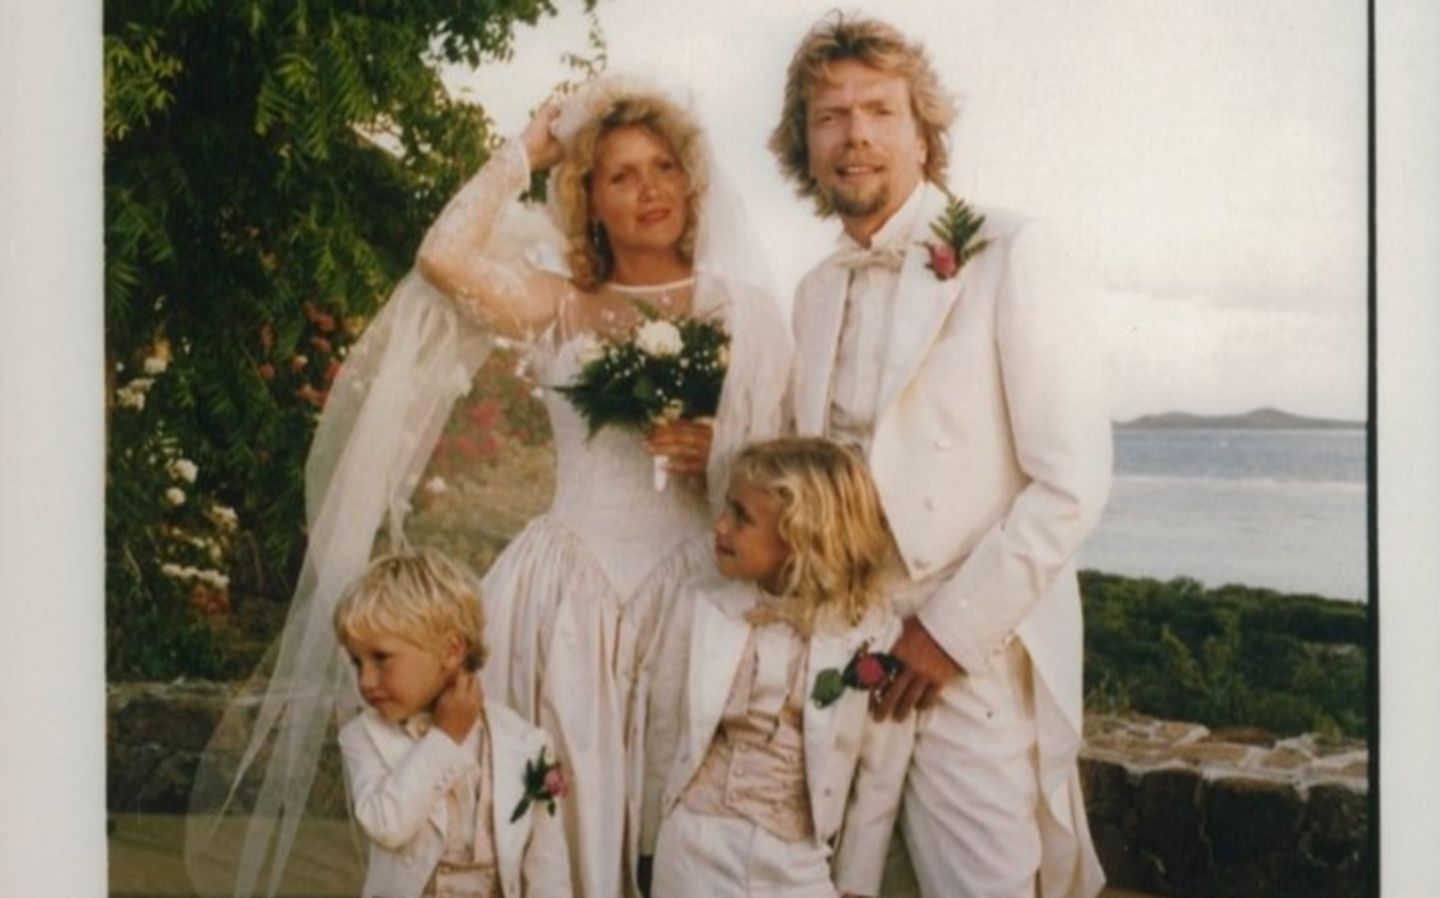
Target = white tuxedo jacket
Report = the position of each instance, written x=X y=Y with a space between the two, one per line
x=397 y=786
x=991 y=452
x=854 y=768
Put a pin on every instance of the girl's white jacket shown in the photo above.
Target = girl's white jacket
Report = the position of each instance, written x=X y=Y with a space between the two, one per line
x=854 y=767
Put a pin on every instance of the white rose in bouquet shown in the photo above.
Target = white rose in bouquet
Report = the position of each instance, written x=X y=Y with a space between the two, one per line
x=588 y=349
x=660 y=339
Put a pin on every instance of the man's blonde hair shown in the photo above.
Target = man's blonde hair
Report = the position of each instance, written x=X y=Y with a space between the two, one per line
x=419 y=595
x=880 y=46
x=591 y=258
x=831 y=520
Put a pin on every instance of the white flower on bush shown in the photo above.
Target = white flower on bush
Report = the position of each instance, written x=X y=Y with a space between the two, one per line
x=155 y=365
x=213 y=579
x=588 y=349
x=175 y=496
x=659 y=339
x=436 y=485
x=224 y=517
x=183 y=469
x=132 y=395
x=189 y=574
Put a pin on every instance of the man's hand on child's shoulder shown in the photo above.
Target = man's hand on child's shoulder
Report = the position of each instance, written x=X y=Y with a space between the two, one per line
x=458 y=706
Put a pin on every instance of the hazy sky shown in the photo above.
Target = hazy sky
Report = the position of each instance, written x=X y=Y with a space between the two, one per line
x=1205 y=162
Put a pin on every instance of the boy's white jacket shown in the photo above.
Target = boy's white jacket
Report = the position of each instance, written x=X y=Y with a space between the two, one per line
x=854 y=767
x=398 y=784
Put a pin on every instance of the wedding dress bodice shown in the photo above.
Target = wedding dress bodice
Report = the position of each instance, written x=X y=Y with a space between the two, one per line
x=604 y=485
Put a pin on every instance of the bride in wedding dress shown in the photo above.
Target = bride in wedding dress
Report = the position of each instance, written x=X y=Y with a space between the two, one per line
x=639 y=214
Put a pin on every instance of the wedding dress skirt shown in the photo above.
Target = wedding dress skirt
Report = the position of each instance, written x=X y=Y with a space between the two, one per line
x=570 y=607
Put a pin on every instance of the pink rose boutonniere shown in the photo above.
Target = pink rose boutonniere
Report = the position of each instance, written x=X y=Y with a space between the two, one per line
x=954 y=231
x=866 y=671
x=544 y=783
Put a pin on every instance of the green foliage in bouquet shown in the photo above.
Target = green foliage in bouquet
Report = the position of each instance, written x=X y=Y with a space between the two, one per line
x=662 y=370
x=269 y=171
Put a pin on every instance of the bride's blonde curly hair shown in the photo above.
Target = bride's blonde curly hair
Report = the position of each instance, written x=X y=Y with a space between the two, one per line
x=591 y=258
x=831 y=520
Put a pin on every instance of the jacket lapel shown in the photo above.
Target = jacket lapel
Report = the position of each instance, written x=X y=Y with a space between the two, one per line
x=820 y=336
x=827 y=650
x=717 y=642
x=921 y=303
x=510 y=750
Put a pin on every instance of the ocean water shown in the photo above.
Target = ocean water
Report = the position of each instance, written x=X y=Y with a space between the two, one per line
x=1283 y=509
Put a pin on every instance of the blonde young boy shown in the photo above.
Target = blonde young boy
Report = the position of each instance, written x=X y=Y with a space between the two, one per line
x=455 y=793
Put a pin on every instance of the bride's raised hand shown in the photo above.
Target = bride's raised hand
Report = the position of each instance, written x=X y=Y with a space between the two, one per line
x=541 y=147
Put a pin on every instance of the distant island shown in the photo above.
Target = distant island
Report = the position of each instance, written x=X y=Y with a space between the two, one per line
x=1259 y=419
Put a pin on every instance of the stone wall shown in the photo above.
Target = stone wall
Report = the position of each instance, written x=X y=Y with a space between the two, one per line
x=1175 y=808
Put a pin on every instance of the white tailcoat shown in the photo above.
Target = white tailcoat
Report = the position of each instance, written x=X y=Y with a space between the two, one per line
x=854 y=768
x=397 y=786
x=992 y=455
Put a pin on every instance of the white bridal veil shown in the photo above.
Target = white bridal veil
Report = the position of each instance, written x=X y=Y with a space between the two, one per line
x=269 y=786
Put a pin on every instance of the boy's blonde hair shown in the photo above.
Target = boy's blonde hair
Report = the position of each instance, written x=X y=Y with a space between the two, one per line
x=880 y=46
x=419 y=595
x=831 y=520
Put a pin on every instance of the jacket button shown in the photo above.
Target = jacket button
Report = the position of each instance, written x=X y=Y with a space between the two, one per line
x=942 y=443
x=920 y=563
x=931 y=503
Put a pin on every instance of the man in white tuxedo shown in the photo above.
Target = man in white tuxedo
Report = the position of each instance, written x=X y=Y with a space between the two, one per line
x=965 y=371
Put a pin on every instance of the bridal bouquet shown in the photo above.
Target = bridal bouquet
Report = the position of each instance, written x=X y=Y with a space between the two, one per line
x=662 y=370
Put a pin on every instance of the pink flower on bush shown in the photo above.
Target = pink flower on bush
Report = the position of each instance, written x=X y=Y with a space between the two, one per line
x=484 y=414
x=311 y=395
x=324 y=322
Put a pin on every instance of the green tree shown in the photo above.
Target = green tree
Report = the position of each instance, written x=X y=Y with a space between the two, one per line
x=270 y=168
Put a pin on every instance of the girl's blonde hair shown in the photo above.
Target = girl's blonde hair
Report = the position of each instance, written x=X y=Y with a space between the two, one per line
x=882 y=47
x=419 y=595
x=591 y=258
x=831 y=520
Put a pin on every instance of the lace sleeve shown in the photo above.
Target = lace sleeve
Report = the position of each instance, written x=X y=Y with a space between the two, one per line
x=477 y=252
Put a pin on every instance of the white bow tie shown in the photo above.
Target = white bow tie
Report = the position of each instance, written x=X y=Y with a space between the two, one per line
x=890 y=256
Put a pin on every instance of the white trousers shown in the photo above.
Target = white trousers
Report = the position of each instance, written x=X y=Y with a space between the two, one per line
x=971 y=813
x=703 y=856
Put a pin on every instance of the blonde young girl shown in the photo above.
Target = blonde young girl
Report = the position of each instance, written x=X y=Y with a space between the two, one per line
x=762 y=761
x=441 y=780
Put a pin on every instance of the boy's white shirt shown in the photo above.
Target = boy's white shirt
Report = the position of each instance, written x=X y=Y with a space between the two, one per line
x=854 y=768
x=398 y=786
